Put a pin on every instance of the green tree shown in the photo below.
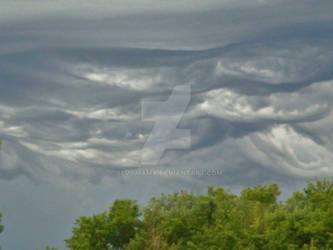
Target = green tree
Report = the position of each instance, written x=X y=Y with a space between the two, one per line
x=108 y=230
x=216 y=220
x=262 y=193
x=48 y=248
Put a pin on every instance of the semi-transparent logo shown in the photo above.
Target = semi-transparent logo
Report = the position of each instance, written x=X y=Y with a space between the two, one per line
x=166 y=117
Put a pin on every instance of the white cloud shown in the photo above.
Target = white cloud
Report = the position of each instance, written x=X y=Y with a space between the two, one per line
x=136 y=79
x=284 y=149
x=228 y=104
x=271 y=65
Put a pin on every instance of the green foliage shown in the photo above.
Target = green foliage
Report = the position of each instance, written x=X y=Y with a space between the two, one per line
x=217 y=220
x=48 y=248
x=263 y=194
x=108 y=230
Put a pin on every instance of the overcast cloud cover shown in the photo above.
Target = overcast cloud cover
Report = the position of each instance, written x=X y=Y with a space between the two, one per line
x=73 y=75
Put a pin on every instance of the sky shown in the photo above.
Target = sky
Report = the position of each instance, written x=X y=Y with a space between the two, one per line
x=248 y=84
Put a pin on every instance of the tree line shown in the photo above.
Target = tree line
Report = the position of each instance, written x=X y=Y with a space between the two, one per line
x=219 y=219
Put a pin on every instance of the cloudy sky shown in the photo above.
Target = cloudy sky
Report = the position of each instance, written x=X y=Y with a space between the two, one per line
x=74 y=75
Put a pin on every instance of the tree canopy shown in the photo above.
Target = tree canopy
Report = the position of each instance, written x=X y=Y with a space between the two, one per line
x=219 y=219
